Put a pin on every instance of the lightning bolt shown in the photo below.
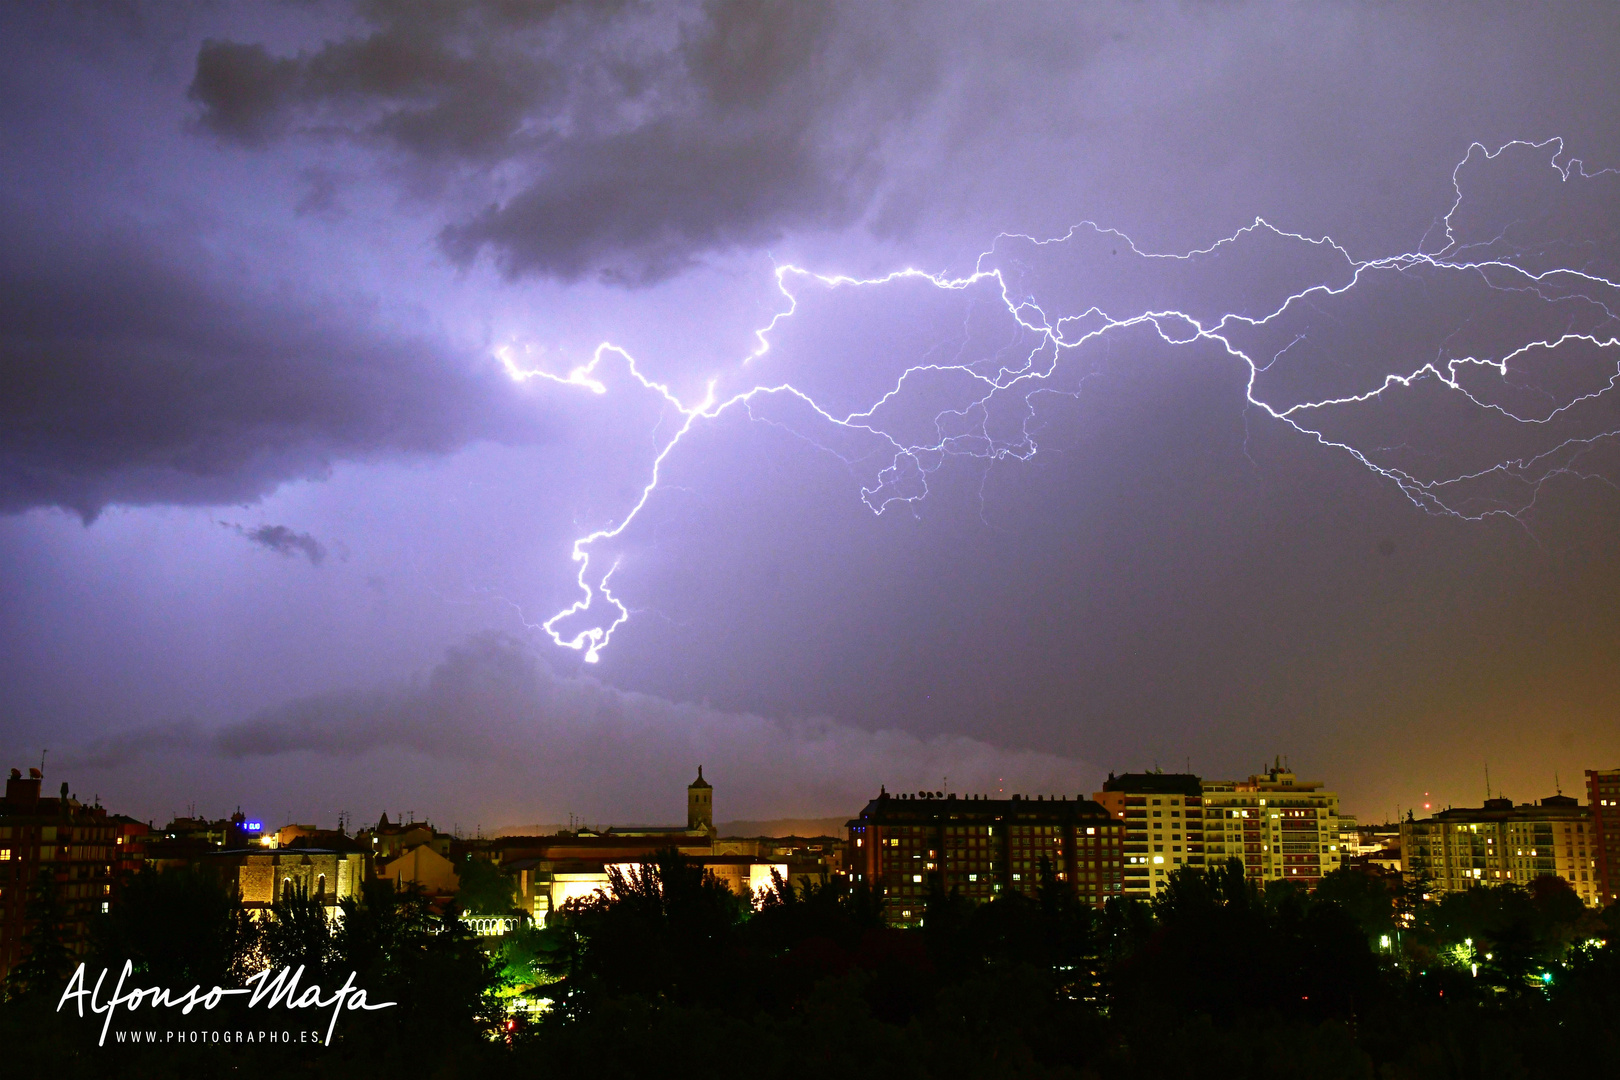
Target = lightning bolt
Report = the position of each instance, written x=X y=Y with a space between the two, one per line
x=1575 y=301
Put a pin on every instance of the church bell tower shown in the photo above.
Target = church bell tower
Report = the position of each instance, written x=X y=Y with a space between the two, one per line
x=700 y=805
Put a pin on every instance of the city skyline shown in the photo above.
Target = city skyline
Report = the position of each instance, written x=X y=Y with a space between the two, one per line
x=403 y=808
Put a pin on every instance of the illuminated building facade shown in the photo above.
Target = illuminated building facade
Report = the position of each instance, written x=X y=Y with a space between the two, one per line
x=261 y=876
x=1603 y=809
x=423 y=867
x=1369 y=846
x=1281 y=827
x=60 y=839
x=1164 y=826
x=906 y=846
x=550 y=871
x=1503 y=844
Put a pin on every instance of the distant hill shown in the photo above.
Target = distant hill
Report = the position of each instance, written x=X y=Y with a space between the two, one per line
x=530 y=830
x=829 y=826
x=832 y=826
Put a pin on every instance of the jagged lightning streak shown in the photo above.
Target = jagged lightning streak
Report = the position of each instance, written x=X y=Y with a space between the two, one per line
x=1055 y=338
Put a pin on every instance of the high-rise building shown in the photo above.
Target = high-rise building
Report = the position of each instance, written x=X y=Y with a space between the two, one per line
x=906 y=846
x=1603 y=806
x=1503 y=844
x=1164 y=826
x=1281 y=827
x=58 y=839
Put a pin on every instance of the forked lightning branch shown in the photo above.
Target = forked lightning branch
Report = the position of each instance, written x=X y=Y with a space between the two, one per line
x=1554 y=275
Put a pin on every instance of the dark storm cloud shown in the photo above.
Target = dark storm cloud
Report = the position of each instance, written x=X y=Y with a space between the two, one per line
x=645 y=140
x=140 y=372
x=120 y=748
x=280 y=538
x=492 y=706
x=444 y=81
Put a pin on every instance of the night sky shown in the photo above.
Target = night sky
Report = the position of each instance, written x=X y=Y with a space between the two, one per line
x=299 y=424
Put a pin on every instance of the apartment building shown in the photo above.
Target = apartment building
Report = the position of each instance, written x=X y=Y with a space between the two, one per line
x=1501 y=844
x=1164 y=826
x=906 y=846
x=1281 y=827
x=60 y=840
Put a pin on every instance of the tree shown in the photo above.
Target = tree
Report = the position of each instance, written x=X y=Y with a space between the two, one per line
x=47 y=961
x=1365 y=896
x=666 y=930
x=1221 y=947
x=430 y=964
x=181 y=926
x=484 y=889
x=299 y=934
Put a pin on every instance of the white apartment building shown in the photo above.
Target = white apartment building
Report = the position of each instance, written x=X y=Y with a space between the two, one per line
x=1281 y=827
x=1503 y=844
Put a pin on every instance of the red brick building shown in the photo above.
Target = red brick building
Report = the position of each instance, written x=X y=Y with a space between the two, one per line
x=1603 y=797
x=130 y=842
x=905 y=846
x=75 y=845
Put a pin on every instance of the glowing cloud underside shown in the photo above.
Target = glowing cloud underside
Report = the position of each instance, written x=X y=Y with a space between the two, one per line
x=1512 y=316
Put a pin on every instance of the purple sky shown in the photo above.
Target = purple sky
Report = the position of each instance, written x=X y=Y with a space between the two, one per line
x=280 y=529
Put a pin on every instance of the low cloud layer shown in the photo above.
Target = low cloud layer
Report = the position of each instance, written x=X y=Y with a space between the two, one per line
x=534 y=747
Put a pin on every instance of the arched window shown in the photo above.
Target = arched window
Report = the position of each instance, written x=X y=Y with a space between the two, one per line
x=320 y=887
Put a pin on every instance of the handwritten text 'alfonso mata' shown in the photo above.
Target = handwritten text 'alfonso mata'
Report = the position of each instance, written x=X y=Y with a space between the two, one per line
x=269 y=986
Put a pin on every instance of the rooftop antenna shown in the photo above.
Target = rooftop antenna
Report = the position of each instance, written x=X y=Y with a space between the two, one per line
x=1487 y=779
x=1559 y=788
x=42 y=754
